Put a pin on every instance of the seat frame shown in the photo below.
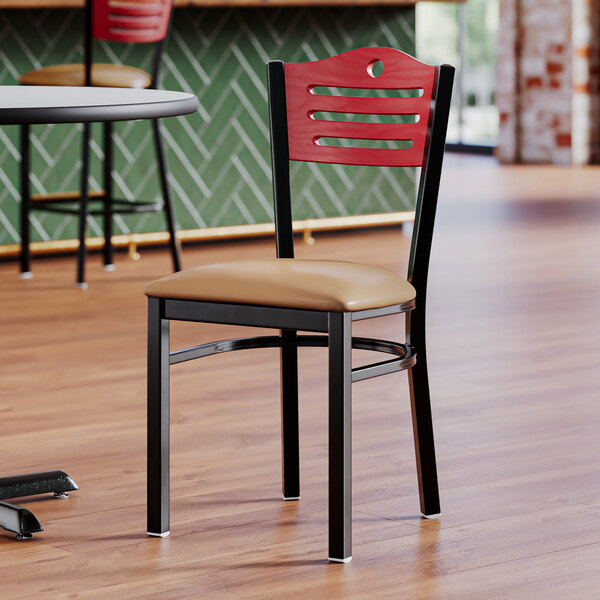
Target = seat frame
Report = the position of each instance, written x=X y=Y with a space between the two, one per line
x=337 y=327
x=60 y=202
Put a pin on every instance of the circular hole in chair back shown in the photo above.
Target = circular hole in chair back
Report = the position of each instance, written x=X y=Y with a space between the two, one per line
x=375 y=68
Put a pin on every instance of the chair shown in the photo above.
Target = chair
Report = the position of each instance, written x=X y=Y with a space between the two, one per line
x=142 y=21
x=317 y=295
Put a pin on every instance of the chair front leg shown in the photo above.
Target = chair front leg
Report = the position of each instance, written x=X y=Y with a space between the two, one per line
x=420 y=403
x=158 y=420
x=340 y=437
x=290 y=454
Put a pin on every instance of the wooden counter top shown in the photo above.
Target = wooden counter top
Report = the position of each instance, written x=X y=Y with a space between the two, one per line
x=256 y=3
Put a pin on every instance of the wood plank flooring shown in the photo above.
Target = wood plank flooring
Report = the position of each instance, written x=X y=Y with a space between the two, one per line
x=514 y=344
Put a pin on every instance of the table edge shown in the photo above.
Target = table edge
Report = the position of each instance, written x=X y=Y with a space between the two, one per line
x=98 y=113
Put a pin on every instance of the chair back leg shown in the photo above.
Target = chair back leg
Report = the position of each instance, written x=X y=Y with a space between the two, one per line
x=290 y=453
x=420 y=402
x=340 y=437
x=83 y=205
x=25 y=203
x=108 y=197
x=158 y=421
x=174 y=243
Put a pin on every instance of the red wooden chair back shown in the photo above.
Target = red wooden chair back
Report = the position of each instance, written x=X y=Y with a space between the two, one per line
x=308 y=137
x=130 y=20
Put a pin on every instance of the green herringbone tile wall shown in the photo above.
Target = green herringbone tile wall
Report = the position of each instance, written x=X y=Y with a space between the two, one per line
x=219 y=158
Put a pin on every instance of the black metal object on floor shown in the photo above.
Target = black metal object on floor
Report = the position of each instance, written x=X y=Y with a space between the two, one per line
x=20 y=520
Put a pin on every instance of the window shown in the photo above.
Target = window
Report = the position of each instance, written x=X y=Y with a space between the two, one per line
x=464 y=35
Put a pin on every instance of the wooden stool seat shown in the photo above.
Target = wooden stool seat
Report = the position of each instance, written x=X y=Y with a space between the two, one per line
x=330 y=285
x=103 y=75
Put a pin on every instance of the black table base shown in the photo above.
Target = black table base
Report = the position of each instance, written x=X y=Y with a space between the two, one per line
x=28 y=105
x=20 y=520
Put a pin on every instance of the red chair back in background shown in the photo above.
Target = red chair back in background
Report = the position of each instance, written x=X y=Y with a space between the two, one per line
x=127 y=21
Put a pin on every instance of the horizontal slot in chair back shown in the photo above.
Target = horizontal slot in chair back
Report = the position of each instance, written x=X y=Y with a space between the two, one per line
x=135 y=21
x=355 y=72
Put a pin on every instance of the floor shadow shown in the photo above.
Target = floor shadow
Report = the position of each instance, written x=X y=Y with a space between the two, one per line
x=305 y=562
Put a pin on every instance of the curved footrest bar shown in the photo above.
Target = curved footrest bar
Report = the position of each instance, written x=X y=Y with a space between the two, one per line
x=384 y=367
x=261 y=341
x=122 y=207
x=406 y=355
x=18 y=520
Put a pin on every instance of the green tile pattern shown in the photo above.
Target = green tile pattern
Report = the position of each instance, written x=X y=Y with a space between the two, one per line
x=219 y=157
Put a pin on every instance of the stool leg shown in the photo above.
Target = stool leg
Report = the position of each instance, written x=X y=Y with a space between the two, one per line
x=108 y=197
x=83 y=206
x=174 y=243
x=25 y=204
x=158 y=420
x=420 y=402
x=290 y=455
x=340 y=437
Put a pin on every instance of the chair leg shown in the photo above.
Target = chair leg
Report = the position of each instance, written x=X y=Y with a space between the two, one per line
x=340 y=437
x=290 y=454
x=420 y=402
x=83 y=206
x=108 y=197
x=174 y=243
x=25 y=204
x=158 y=420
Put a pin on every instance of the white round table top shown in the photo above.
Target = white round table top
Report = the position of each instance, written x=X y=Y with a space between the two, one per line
x=21 y=104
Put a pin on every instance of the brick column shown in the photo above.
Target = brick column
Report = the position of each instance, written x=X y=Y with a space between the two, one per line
x=586 y=89
x=547 y=90
x=507 y=97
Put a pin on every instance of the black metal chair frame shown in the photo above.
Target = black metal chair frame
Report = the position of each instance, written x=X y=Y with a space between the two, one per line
x=109 y=205
x=337 y=327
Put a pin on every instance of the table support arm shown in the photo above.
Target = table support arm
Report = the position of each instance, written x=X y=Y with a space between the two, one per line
x=20 y=520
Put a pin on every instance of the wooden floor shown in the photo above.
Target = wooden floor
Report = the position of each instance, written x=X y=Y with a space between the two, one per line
x=514 y=316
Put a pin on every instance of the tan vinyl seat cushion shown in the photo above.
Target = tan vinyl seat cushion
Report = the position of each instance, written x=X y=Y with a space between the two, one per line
x=327 y=285
x=103 y=75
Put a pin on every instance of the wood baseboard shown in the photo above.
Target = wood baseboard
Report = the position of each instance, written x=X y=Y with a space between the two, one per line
x=305 y=227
